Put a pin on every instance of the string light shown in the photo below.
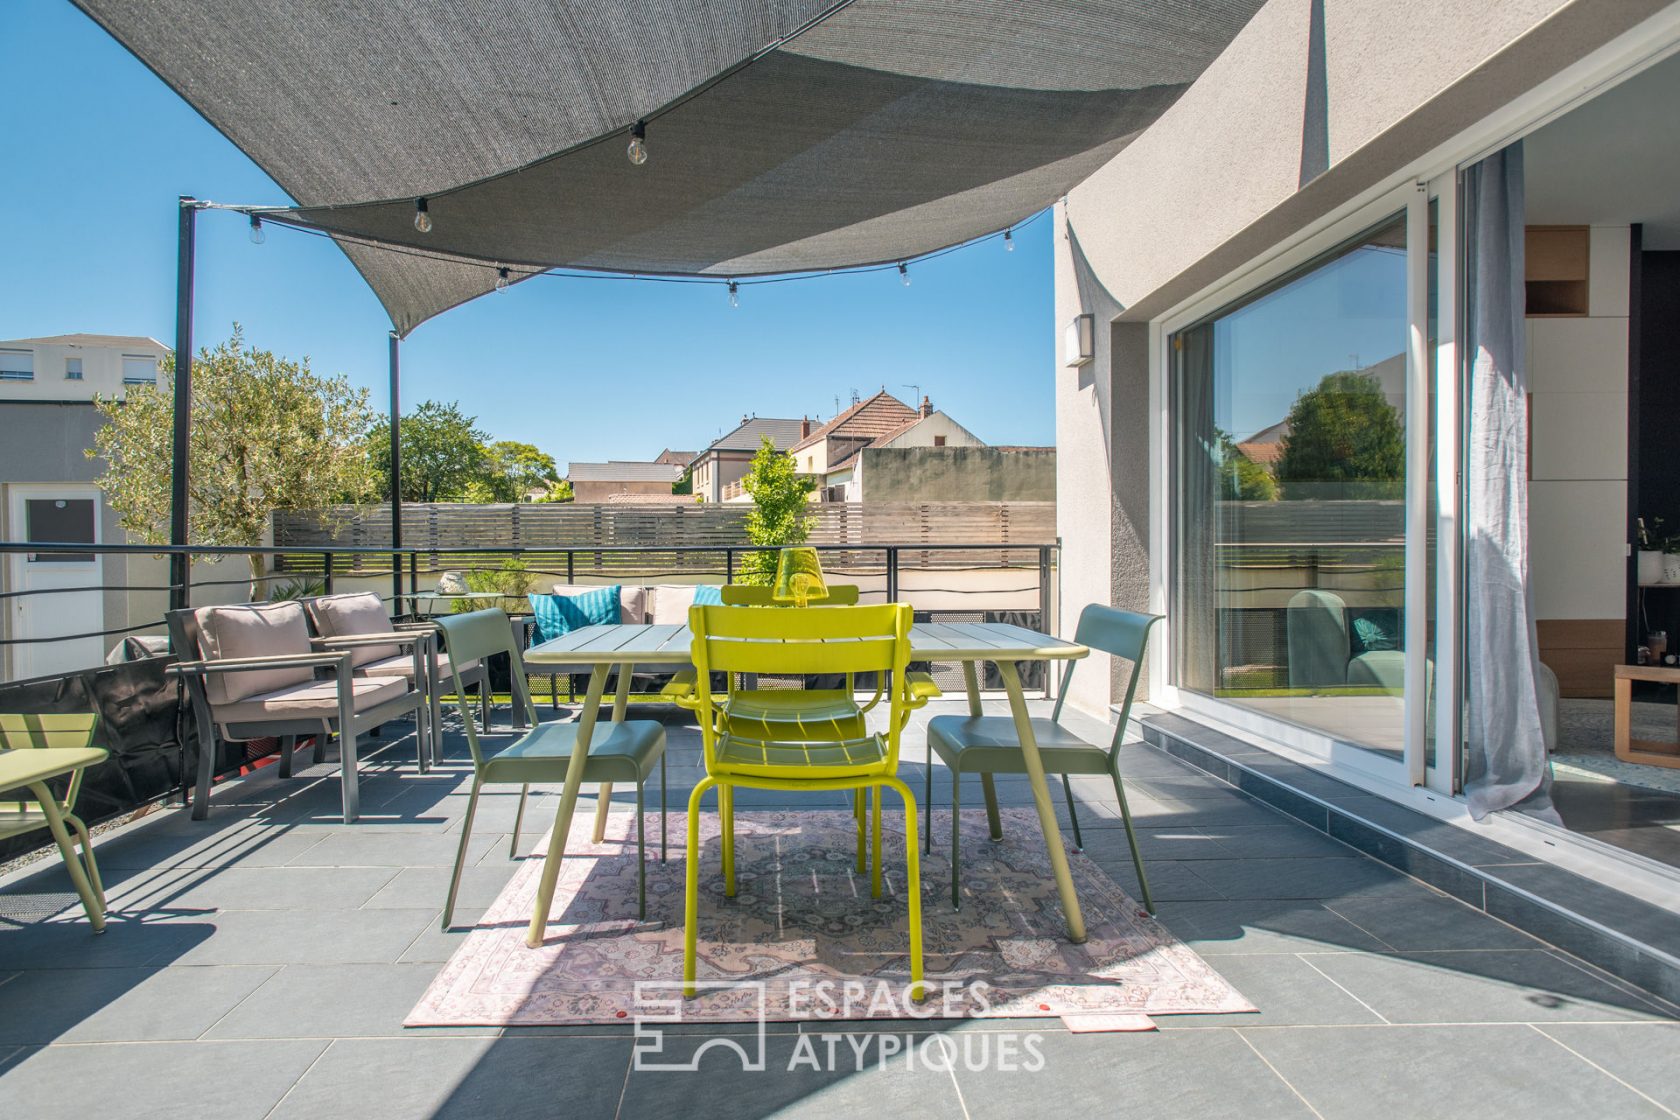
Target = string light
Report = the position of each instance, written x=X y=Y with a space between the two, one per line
x=1009 y=240
x=904 y=273
x=422 y=216
x=734 y=294
x=258 y=234
x=501 y=279
x=638 y=143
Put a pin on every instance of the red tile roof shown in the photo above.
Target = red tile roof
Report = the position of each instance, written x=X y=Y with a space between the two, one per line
x=867 y=420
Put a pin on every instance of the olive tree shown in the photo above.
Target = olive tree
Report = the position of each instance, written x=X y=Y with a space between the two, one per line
x=779 y=515
x=267 y=434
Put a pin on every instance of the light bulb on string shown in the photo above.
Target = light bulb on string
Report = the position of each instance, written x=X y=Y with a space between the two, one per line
x=638 y=143
x=1009 y=241
x=258 y=234
x=904 y=273
x=734 y=294
x=501 y=279
x=422 y=216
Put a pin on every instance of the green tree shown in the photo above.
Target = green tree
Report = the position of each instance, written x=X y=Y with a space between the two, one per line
x=685 y=484
x=443 y=453
x=267 y=435
x=1345 y=441
x=1241 y=479
x=779 y=516
x=560 y=492
x=511 y=471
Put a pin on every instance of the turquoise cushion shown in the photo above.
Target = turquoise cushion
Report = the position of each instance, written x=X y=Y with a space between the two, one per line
x=708 y=595
x=561 y=614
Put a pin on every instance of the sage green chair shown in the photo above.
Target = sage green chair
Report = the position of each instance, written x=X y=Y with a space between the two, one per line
x=618 y=752
x=36 y=749
x=990 y=745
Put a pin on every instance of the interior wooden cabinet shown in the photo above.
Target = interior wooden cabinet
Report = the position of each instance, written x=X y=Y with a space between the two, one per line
x=1555 y=270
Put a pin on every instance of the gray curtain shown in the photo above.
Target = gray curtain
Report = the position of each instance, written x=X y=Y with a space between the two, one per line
x=1197 y=635
x=1505 y=753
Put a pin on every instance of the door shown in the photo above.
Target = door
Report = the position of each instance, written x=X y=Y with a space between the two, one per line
x=62 y=596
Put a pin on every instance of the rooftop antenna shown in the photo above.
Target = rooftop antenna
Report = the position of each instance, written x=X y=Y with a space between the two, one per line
x=915 y=390
x=855 y=397
x=837 y=404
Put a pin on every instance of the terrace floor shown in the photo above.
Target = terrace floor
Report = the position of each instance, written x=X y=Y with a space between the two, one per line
x=261 y=963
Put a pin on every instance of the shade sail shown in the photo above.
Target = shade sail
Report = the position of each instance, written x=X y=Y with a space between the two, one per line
x=784 y=135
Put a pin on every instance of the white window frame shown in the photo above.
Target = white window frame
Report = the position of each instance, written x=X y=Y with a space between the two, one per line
x=20 y=374
x=74 y=369
x=152 y=380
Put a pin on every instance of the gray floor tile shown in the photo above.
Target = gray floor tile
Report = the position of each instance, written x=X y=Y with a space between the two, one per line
x=354 y=848
x=1288 y=992
x=1645 y=1055
x=788 y=1086
x=1182 y=1075
x=419 y=887
x=121 y=1004
x=1496 y=986
x=155 y=1080
x=434 y=944
x=256 y=888
x=1325 y=878
x=1248 y=926
x=329 y=1001
x=1402 y=1073
x=1168 y=882
x=243 y=843
x=308 y=937
x=1422 y=919
x=128 y=940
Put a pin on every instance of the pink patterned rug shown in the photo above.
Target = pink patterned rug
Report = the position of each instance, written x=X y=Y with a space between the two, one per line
x=804 y=929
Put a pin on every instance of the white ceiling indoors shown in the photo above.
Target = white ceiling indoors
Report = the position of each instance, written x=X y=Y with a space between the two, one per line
x=1614 y=160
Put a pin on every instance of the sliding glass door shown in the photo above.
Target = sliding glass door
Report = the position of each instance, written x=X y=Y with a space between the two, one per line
x=1298 y=421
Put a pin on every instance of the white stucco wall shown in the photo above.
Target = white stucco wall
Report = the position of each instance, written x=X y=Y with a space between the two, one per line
x=1312 y=106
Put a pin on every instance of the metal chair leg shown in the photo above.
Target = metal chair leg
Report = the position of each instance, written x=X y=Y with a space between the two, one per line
x=956 y=834
x=1073 y=815
x=92 y=866
x=858 y=808
x=92 y=903
x=691 y=888
x=1131 y=838
x=518 y=820
x=927 y=805
x=726 y=813
x=461 y=854
x=641 y=859
x=661 y=806
x=875 y=841
x=288 y=744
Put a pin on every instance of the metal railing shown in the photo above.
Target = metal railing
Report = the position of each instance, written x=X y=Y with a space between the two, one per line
x=975 y=580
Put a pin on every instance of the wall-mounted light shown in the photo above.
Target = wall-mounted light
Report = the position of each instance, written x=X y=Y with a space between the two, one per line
x=1076 y=343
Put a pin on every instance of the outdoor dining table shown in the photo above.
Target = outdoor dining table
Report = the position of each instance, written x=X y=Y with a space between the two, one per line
x=608 y=647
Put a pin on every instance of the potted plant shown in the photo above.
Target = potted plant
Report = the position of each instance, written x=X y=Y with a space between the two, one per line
x=1651 y=551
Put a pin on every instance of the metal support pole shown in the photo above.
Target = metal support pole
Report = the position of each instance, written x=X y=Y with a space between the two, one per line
x=396 y=478
x=180 y=571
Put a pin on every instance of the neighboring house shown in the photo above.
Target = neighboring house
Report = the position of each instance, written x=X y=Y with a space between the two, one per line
x=47 y=493
x=678 y=459
x=722 y=465
x=946 y=473
x=602 y=482
x=926 y=428
x=832 y=452
x=1481 y=173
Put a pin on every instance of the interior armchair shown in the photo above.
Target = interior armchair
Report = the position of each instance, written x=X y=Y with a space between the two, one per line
x=250 y=672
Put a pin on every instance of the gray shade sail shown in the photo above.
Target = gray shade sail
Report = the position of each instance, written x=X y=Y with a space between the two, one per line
x=879 y=131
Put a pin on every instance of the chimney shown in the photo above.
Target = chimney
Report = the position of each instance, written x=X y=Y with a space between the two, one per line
x=744 y=418
x=927 y=408
x=804 y=427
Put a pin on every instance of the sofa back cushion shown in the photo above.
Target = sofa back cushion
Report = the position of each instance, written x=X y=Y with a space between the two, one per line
x=556 y=615
x=672 y=600
x=257 y=630
x=341 y=616
x=632 y=601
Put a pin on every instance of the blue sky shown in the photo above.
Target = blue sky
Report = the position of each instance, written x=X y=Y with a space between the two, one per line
x=584 y=369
